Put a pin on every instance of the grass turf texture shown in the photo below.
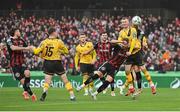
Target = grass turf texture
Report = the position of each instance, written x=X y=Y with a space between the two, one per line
x=58 y=99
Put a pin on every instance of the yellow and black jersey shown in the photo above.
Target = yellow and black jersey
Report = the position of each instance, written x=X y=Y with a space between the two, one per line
x=51 y=48
x=131 y=34
x=142 y=38
x=86 y=59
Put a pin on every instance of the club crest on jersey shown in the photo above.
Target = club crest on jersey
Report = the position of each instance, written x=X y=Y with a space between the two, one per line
x=103 y=68
x=17 y=74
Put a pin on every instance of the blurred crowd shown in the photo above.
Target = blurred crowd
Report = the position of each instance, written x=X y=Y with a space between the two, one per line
x=163 y=39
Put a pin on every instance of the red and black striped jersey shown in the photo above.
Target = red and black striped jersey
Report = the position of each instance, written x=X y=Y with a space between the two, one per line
x=119 y=56
x=104 y=51
x=16 y=57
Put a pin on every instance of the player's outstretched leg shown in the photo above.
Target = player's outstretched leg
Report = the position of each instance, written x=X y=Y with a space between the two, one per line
x=85 y=77
x=148 y=78
x=112 y=89
x=105 y=84
x=89 y=80
x=68 y=86
x=26 y=85
x=139 y=83
x=25 y=93
x=102 y=80
x=46 y=87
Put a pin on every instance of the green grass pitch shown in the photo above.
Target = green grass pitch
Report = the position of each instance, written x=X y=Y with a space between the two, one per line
x=58 y=99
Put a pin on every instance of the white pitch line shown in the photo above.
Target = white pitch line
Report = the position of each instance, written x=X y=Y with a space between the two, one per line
x=70 y=103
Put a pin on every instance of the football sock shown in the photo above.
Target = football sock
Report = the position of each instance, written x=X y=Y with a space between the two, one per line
x=112 y=85
x=126 y=84
x=45 y=87
x=91 y=85
x=103 y=86
x=139 y=79
x=129 y=77
x=85 y=77
x=102 y=79
x=90 y=79
x=147 y=75
x=68 y=86
x=27 y=85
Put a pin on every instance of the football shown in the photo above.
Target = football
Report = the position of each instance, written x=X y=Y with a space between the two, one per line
x=136 y=20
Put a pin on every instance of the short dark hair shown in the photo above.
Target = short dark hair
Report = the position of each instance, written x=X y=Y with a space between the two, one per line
x=12 y=31
x=51 y=30
x=82 y=33
x=103 y=33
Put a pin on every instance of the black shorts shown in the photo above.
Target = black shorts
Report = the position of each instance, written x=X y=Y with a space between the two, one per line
x=107 y=69
x=52 y=67
x=18 y=72
x=86 y=68
x=135 y=59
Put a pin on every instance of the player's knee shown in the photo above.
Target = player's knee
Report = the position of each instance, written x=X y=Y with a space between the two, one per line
x=143 y=68
x=136 y=69
x=128 y=67
x=128 y=72
x=85 y=77
x=27 y=73
x=98 y=73
x=109 y=78
x=64 y=78
x=85 y=74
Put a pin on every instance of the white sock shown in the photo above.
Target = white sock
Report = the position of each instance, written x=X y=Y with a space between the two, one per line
x=152 y=85
x=95 y=93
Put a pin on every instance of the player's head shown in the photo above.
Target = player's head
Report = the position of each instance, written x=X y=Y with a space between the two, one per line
x=136 y=21
x=52 y=32
x=82 y=37
x=124 y=22
x=104 y=37
x=15 y=32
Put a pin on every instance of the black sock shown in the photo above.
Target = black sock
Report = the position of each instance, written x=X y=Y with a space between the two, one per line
x=27 y=85
x=102 y=79
x=139 y=79
x=24 y=87
x=132 y=78
x=90 y=79
x=112 y=85
x=103 y=86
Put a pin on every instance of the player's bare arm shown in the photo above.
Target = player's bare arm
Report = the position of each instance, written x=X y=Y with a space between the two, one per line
x=17 y=48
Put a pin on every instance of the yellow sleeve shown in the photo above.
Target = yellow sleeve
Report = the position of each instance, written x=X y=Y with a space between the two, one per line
x=94 y=55
x=63 y=48
x=134 y=38
x=145 y=42
x=37 y=50
x=76 y=58
x=91 y=45
x=120 y=37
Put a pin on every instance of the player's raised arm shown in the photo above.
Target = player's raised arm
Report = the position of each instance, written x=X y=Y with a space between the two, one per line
x=37 y=50
x=15 y=48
